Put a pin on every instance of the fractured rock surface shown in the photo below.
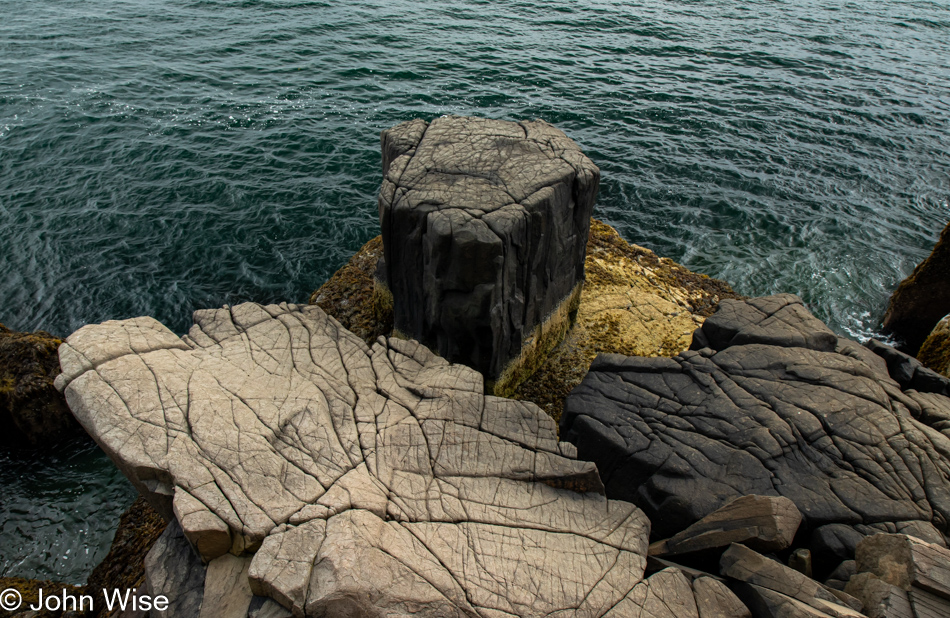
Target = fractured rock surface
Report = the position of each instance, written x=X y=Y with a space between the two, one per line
x=484 y=224
x=770 y=402
x=362 y=480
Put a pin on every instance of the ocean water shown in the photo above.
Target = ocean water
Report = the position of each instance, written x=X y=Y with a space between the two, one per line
x=163 y=156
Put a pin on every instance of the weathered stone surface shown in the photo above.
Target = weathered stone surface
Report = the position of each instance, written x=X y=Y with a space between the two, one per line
x=766 y=603
x=32 y=412
x=935 y=352
x=262 y=607
x=923 y=298
x=715 y=600
x=366 y=480
x=667 y=594
x=745 y=565
x=835 y=541
x=227 y=591
x=906 y=561
x=880 y=599
x=484 y=224
x=842 y=574
x=800 y=560
x=765 y=523
x=172 y=569
x=928 y=605
x=771 y=403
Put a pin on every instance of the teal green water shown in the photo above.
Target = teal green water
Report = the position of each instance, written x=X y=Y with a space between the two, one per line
x=158 y=157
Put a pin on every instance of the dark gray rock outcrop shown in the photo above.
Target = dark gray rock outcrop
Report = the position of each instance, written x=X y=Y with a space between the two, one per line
x=770 y=402
x=923 y=298
x=484 y=224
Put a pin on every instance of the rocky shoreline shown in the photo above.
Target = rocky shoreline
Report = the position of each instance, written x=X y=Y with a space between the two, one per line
x=721 y=456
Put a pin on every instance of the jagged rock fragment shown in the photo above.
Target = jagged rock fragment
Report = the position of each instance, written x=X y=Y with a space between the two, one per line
x=380 y=480
x=879 y=598
x=745 y=565
x=909 y=372
x=484 y=224
x=765 y=523
x=715 y=600
x=766 y=603
x=175 y=572
x=771 y=403
x=906 y=561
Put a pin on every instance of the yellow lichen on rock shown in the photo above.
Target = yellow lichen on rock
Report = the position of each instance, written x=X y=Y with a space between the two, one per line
x=935 y=352
x=632 y=302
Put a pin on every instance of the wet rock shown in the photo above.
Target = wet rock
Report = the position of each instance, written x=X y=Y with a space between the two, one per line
x=32 y=412
x=771 y=403
x=484 y=224
x=360 y=480
x=935 y=352
x=765 y=523
x=923 y=298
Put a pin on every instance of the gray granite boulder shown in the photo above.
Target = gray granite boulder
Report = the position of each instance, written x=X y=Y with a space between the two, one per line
x=484 y=224
x=359 y=481
x=770 y=402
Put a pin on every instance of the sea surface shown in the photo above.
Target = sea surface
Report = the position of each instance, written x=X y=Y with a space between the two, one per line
x=162 y=156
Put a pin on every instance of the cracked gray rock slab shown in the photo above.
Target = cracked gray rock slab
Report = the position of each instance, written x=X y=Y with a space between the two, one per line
x=378 y=480
x=768 y=401
x=484 y=226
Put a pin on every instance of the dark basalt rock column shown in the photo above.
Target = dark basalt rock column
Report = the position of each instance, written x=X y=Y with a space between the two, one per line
x=484 y=225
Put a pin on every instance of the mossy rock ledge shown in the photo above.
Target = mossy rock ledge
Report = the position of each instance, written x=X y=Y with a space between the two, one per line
x=935 y=353
x=32 y=412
